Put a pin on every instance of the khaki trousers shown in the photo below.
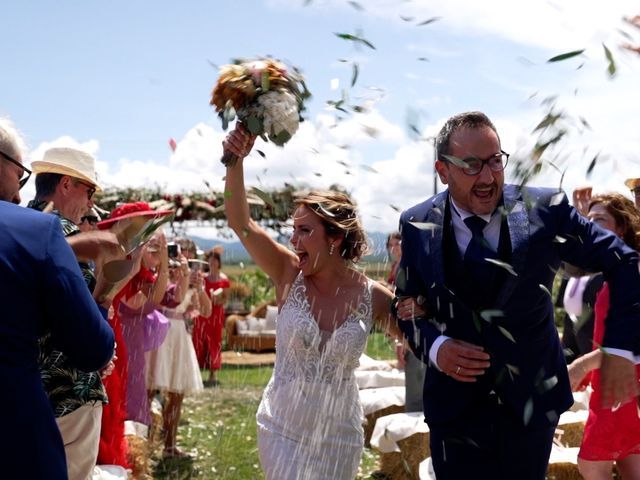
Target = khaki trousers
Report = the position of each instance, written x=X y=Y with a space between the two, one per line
x=80 y=432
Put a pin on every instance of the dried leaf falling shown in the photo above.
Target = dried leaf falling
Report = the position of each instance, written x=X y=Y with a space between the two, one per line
x=557 y=199
x=458 y=162
x=428 y=21
x=545 y=290
x=585 y=123
x=265 y=197
x=592 y=165
x=489 y=315
x=611 y=67
x=547 y=121
x=513 y=369
x=356 y=39
x=528 y=411
x=368 y=168
x=506 y=333
x=565 y=56
x=354 y=74
x=502 y=264
x=424 y=225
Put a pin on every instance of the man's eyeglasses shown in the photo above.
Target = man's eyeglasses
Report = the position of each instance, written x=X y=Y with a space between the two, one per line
x=473 y=166
x=90 y=219
x=90 y=188
x=26 y=173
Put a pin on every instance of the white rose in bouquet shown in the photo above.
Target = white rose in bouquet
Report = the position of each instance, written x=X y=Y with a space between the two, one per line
x=281 y=118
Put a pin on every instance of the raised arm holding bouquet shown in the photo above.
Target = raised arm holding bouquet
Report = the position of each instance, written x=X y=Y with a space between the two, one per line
x=265 y=95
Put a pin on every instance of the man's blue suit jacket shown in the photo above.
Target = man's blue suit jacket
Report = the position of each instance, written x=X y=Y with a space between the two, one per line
x=41 y=290
x=528 y=370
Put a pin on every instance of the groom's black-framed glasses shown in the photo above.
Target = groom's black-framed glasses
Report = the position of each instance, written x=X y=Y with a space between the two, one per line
x=26 y=173
x=473 y=166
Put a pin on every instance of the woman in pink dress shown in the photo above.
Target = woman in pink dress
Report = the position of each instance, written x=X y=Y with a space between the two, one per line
x=207 y=331
x=610 y=435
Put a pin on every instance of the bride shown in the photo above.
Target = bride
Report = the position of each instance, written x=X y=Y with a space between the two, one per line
x=309 y=419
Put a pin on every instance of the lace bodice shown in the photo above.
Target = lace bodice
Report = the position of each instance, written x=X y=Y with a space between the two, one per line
x=299 y=353
x=310 y=410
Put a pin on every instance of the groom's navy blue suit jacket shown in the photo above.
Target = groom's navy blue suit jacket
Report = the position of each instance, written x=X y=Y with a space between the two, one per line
x=528 y=370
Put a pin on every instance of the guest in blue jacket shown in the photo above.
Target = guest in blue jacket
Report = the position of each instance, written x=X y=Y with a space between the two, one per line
x=42 y=291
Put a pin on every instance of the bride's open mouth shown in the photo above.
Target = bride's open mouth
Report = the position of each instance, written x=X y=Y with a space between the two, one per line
x=303 y=257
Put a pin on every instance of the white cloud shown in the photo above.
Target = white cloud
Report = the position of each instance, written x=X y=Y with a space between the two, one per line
x=557 y=25
x=89 y=146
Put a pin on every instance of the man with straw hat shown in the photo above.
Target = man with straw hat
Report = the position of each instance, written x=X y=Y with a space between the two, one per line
x=65 y=183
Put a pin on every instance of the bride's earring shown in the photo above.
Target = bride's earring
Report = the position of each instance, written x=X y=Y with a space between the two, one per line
x=332 y=248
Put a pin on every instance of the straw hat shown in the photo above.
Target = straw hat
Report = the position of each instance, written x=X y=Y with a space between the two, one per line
x=632 y=183
x=68 y=161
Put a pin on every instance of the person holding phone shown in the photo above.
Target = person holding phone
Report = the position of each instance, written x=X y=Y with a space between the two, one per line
x=173 y=250
x=173 y=367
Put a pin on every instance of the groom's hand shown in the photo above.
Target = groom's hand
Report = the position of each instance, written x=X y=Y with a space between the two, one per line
x=461 y=360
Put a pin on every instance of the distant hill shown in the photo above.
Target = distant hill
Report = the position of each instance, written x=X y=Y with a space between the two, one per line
x=234 y=252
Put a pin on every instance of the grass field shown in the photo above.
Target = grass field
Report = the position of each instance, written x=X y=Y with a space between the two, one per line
x=219 y=428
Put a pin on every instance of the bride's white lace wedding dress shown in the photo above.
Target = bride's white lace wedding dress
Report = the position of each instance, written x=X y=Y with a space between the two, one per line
x=309 y=420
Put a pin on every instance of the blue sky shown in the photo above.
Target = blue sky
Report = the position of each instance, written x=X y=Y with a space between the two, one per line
x=120 y=78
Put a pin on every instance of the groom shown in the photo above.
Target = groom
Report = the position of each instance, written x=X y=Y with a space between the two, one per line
x=482 y=257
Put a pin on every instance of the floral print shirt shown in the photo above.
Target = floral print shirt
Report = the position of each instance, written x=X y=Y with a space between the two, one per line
x=67 y=387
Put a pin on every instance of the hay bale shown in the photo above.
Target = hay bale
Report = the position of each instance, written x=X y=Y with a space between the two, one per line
x=138 y=457
x=563 y=471
x=405 y=465
x=156 y=434
x=570 y=434
x=370 y=420
x=571 y=428
x=563 y=464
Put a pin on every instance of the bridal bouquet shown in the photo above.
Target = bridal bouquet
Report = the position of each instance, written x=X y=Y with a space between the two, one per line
x=265 y=95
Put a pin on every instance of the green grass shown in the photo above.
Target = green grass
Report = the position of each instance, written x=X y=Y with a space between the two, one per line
x=380 y=347
x=218 y=427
